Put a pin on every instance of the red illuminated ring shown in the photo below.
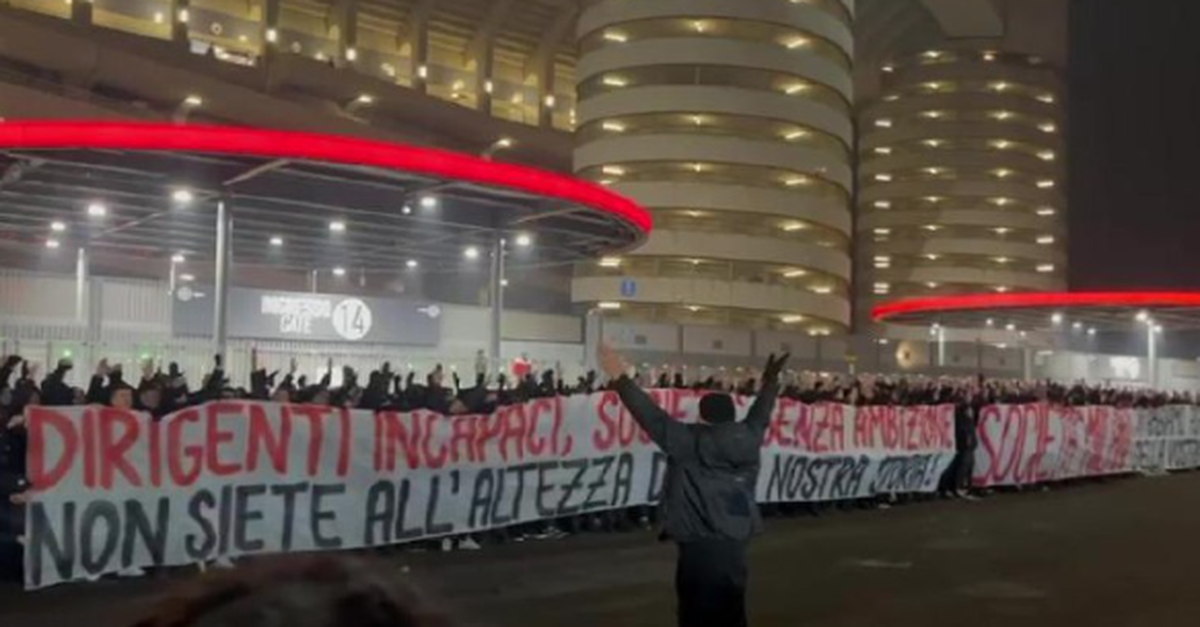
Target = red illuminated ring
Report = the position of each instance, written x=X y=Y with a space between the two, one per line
x=314 y=147
x=976 y=302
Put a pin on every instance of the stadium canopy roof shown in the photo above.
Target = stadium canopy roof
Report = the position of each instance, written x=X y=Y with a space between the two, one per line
x=150 y=191
x=1103 y=311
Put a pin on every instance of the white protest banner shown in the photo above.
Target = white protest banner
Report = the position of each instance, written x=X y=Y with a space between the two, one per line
x=115 y=489
x=1168 y=438
x=1033 y=443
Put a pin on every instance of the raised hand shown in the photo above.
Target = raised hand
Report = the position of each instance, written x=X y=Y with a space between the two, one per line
x=774 y=367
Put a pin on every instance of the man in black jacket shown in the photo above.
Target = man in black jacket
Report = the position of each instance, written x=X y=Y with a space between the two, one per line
x=708 y=507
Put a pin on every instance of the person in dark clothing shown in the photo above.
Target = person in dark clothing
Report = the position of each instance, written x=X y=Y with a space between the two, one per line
x=708 y=507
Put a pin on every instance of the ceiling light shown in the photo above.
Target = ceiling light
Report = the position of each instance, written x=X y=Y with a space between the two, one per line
x=1046 y=98
x=178 y=258
x=471 y=252
x=193 y=100
x=365 y=99
x=613 y=127
x=1045 y=268
x=1048 y=127
x=1001 y=201
x=52 y=243
x=883 y=123
x=276 y=241
x=1002 y=230
x=935 y=171
x=187 y=278
x=1046 y=155
x=1046 y=211
x=1045 y=239
x=610 y=262
x=882 y=231
x=697 y=167
x=184 y=15
x=883 y=204
x=505 y=142
x=1001 y=144
x=933 y=228
x=1077 y=325
x=406 y=209
x=795 y=274
x=182 y=196
x=883 y=177
x=796 y=88
x=791 y=318
x=796 y=181
x=989 y=56
x=883 y=150
x=429 y=201
x=1045 y=184
x=990 y=322
x=891 y=97
x=931 y=285
x=932 y=55
x=58 y=227
x=158 y=16
x=699 y=26
x=609 y=305
x=932 y=115
x=797 y=134
x=411 y=264
x=933 y=86
x=933 y=256
x=1142 y=316
x=798 y=42
x=613 y=170
x=337 y=226
x=272 y=35
x=888 y=68
x=1002 y=173
x=616 y=36
x=351 y=54
x=1002 y=260
x=792 y=227
x=97 y=210
x=550 y=100
x=1091 y=331
x=933 y=143
x=999 y=86
x=615 y=81
x=1010 y=327
x=339 y=271
x=524 y=240
x=1002 y=115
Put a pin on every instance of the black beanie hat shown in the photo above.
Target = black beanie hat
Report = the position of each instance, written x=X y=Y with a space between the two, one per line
x=717 y=408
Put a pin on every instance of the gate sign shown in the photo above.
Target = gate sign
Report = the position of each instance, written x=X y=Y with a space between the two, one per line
x=628 y=288
x=271 y=315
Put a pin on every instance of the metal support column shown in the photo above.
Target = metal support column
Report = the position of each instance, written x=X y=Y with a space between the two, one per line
x=497 y=298
x=941 y=346
x=81 y=281
x=221 y=289
x=1151 y=356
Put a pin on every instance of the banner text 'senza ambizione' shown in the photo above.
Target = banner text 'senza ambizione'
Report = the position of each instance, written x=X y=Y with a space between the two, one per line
x=115 y=489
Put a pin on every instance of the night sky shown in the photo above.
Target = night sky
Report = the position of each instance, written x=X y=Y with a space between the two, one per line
x=1135 y=144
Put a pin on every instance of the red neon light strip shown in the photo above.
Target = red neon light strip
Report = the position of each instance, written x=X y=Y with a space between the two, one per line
x=315 y=147
x=975 y=302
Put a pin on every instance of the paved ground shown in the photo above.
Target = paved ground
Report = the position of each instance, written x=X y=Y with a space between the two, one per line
x=1119 y=554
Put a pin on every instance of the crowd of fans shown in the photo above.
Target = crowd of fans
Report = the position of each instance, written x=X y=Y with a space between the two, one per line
x=159 y=393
